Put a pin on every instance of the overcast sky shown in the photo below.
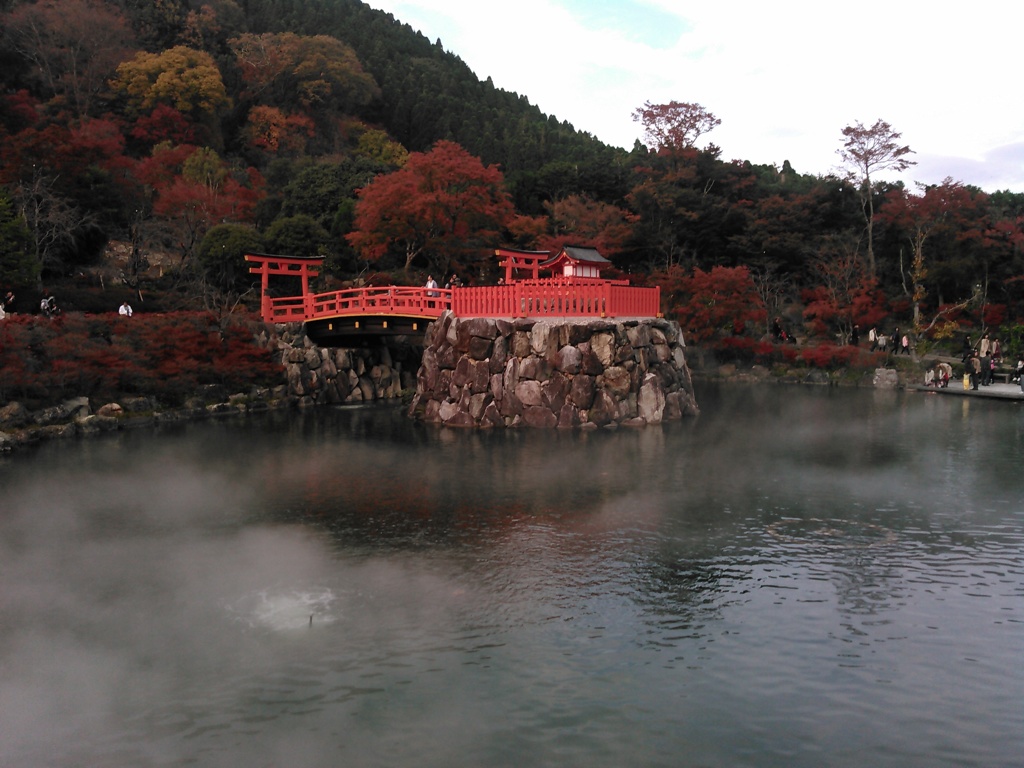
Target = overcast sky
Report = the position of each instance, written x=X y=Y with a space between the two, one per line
x=785 y=77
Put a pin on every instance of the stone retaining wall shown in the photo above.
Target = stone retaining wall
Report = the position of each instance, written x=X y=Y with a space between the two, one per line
x=481 y=372
x=326 y=375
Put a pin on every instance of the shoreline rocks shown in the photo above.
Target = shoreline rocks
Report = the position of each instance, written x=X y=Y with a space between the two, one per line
x=311 y=376
x=75 y=417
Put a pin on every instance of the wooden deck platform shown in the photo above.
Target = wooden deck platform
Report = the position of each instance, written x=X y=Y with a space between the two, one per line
x=994 y=391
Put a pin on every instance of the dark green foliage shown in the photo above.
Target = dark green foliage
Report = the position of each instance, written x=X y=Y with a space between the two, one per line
x=18 y=265
x=157 y=24
x=221 y=256
x=297 y=236
x=321 y=190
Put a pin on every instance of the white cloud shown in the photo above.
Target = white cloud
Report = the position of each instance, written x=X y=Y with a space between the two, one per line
x=784 y=77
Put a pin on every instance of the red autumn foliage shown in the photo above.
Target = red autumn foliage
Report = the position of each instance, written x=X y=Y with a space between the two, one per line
x=712 y=305
x=578 y=219
x=164 y=123
x=831 y=356
x=18 y=111
x=995 y=315
x=164 y=356
x=847 y=295
x=445 y=205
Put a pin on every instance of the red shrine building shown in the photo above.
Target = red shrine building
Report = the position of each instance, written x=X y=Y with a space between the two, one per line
x=571 y=263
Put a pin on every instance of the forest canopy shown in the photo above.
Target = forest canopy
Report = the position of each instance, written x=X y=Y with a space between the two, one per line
x=307 y=123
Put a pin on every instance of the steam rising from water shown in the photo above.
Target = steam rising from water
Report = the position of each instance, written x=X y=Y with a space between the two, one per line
x=286 y=609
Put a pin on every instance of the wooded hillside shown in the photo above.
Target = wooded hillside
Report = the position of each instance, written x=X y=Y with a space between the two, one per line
x=190 y=132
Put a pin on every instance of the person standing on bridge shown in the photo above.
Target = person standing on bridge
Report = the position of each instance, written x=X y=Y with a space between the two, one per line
x=431 y=286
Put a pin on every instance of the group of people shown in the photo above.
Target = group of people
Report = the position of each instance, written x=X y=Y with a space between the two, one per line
x=982 y=359
x=898 y=342
x=453 y=282
x=980 y=371
x=984 y=348
x=938 y=375
x=48 y=306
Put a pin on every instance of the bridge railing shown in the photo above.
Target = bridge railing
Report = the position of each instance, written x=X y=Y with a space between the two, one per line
x=385 y=300
x=525 y=298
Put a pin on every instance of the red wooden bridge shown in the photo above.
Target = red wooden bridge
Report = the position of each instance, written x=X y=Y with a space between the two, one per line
x=343 y=316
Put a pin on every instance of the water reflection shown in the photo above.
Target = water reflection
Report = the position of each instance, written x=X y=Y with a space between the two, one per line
x=797 y=572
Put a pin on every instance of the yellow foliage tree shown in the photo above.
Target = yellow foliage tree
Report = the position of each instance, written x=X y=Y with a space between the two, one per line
x=377 y=145
x=180 y=77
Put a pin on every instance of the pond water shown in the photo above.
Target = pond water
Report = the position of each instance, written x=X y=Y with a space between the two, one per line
x=798 y=577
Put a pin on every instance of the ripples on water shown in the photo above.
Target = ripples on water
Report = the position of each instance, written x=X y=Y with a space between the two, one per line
x=797 y=578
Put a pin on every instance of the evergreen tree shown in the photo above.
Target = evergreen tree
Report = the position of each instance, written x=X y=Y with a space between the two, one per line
x=18 y=266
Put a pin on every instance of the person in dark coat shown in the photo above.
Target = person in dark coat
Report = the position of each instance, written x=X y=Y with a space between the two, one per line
x=986 y=369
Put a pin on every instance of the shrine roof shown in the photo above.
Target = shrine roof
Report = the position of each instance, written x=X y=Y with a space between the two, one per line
x=578 y=253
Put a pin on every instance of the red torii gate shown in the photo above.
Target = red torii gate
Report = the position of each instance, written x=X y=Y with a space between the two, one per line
x=513 y=259
x=303 y=267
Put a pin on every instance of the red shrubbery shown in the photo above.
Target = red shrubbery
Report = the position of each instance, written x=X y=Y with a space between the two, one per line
x=165 y=356
x=826 y=356
x=830 y=356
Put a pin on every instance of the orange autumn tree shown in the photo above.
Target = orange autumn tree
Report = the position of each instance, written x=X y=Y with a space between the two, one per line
x=299 y=86
x=276 y=132
x=949 y=212
x=300 y=73
x=675 y=126
x=444 y=206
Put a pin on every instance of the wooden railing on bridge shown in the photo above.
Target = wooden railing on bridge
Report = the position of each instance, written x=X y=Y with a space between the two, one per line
x=401 y=300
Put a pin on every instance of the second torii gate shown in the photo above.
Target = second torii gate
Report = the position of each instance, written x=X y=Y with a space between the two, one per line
x=291 y=266
x=512 y=260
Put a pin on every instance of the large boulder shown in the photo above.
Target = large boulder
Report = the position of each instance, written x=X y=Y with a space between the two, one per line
x=14 y=415
x=651 y=400
x=886 y=378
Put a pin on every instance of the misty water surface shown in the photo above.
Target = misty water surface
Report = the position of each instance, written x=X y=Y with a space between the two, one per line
x=799 y=577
